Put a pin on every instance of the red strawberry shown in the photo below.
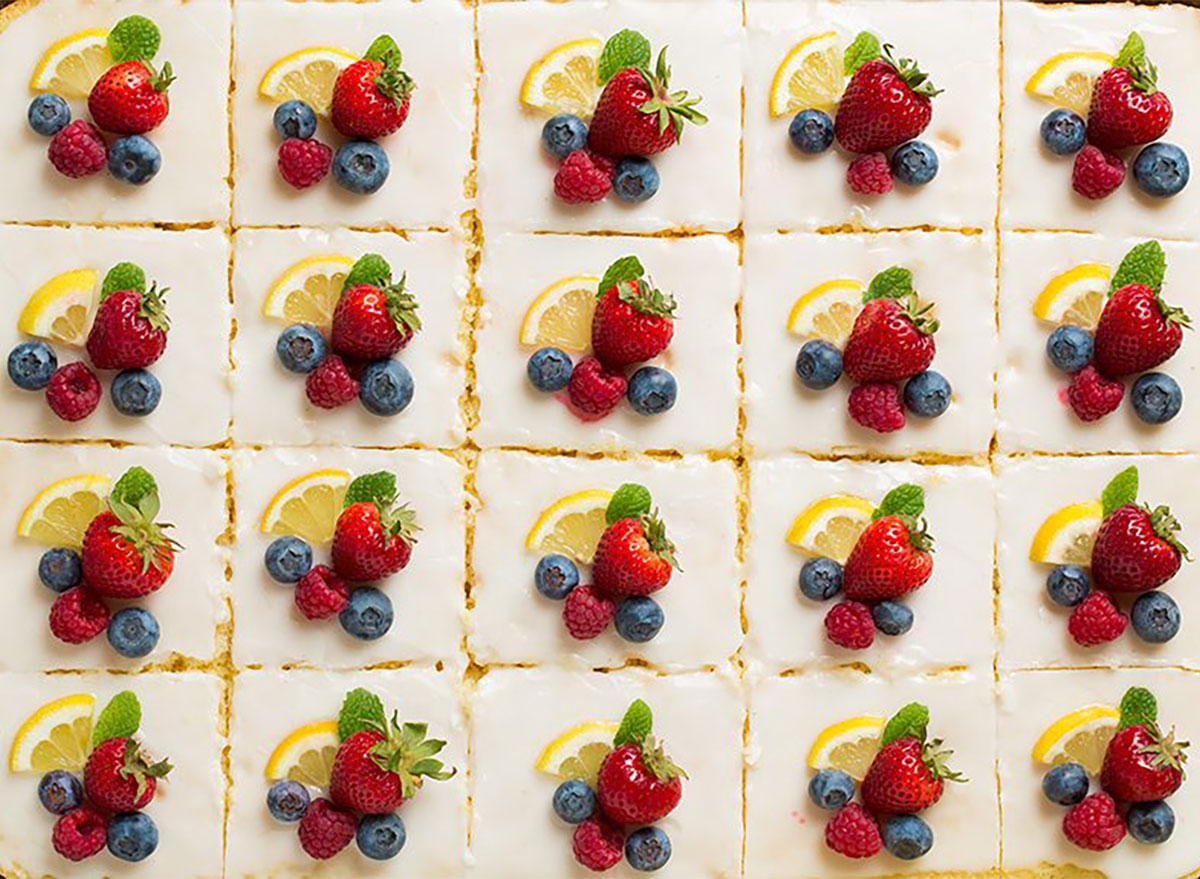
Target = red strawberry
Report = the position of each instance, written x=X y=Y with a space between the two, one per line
x=371 y=97
x=906 y=777
x=853 y=832
x=1091 y=396
x=593 y=391
x=634 y=557
x=597 y=844
x=584 y=177
x=119 y=777
x=1127 y=108
x=371 y=322
x=77 y=616
x=885 y=103
x=129 y=330
x=1097 y=173
x=126 y=554
x=80 y=833
x=1094 y=824
x=131 y=98
x=891 y=341
x=1141 y=764
x=586 y=613
x=877 y=406
x=638 y=783
x=891 y=558
x=632 y=323
x=325 y=830
x=1096 y=620
x=375 y=772
x=1137 y=331
x=1136 y=549
x=638 y=115
x=374 y=535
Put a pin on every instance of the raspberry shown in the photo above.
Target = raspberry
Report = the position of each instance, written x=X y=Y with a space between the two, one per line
x=1096 y=620
x=876 y=405
x=1094 y=823
x=853 y=832
x=584 y=176
x=325 y=830
x=80 y=833
x=593 y=391
x=73 y=392
x=331 y=385
x=303 y=163
x=598 y=845
x=78 y=150
x=870 y=174
x=587 y=613
x=1097 y=173
x=1092 y=396
x=850 y=624
x=321 y=593
x=78 y=616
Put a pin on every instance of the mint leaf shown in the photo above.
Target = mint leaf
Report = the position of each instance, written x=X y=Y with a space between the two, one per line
x=120 y=719
x=133 y=38
x=372 y=487
x=910 y=721
x=627 y=268
x=362 y=710
x=1133 y=53
x=628 y=501
x=123 y=276
x=893 y=283
x=1144 y=264
x=133 y=486
x=371 y=268
x=636 y=724
x=381 y=48
x=864 y=48
x=906 y=500
x=1138 y=707
x=1120 y=491
x=625 y=48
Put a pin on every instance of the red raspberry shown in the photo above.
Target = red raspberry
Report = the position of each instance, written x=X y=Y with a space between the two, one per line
x=584 y=176
x=78 y=616
x=325 y=830
x=78 y=150
x=321 y=593
x=593 y=391
x=876 y=405
x=587 y=613
x=303 y=163
x=73 y=392
x=1096 y=620
x=1092 y=396
x=80 y=833
x=870 y=174
x=849 y=624
x=331 y=385
x=598 y=845
x=853 y=832
x=1097 y=173
x=1094 y=823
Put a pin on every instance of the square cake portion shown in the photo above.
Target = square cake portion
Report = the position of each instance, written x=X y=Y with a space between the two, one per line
x=1049 y=512
x=700 y=176
x=703 y=276
x=956 y=273
x=1030 y=704
x=785 y=830
x=534 y=505
x=270 y=406
x=517 y=713
x=189 y=607
x=952 y=612
x=1040 y=275
x=429 y=157
x=270 y=706
x=180 y=721
x=1051 y=55
x=54 y=277
x=300 y=491
x=956 y=42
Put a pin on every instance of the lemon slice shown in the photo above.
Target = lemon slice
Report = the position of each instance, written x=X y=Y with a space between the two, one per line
x=308 y=291
x=71 y=66
x=307 y=75
x=1080 y=737
x=307 y=507
x=61 y=309
x=564 y=80
x=849 y=746
x=306 y=755
x=811 y=77
x=578 y=753
x=571 y=525
x=830 y=527
x=1076 y=296
x=56 y=736
x=1066 y=80
x=827 y=311
x=1066 y=537
x=562 y=315
x=60 y=515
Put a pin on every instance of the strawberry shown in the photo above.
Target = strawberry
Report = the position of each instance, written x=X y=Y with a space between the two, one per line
x=371 y=97
x=1137 y=331
x=886 y=103
x=1142 y=764
x=126 y=554
x=370 y=322
x=638 y=115
x=891 y=558
x=373 y=537
x=638 y=783
x=129 y=330
x=377 y=770
x=634 y=557
x=633 y=322
x=891 y=340
x=1136 y=549
x=905 y=777
x=119 y=777
x=1127 y=108
x=131 y=98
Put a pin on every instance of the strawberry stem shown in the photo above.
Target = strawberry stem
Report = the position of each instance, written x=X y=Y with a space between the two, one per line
x=402 y=306
x=1166 y=526
x=673 y=108
x=646 y=298
x=908 y=70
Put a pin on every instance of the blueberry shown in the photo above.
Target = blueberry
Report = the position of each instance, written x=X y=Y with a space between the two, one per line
x=1151 y=823
x=652 y=391
x=1155 y=617
x=136 y=392
x=380 y=837
x=636 y=179
x=820 y=579
x=31 y=364
x=1070 y=348
x=811 y=131
x=915 y=163
x=1068 y=585
x=361 y=167
x=1066 y=784
x=1157 y=398
x=369 y=615
x=60 y=569
x=556 y=576
x=134 y=159
x=295 y=119
x=639 y=619
x=1064 y=132
x=892 y=617
x=132 y=836
x=927 y=394
x=288 y=801
x=563 y=134
x=907 y=837
x=48 y=115
x=288 y=559
x=549 y=369
x=1161 y=170
x=301 y=348
x=574 y=801
x=133 y=632
x=386 y=387
x=819 y=365
x=831 y=788
x=647 y=849
x=60 y=792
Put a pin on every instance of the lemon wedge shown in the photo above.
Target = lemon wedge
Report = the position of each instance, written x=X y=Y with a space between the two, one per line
x=306 y=755
x=1079 y=737
x=308 y=291
x=70 y=67
x=61 y=309
x=1066 y=80
x=572 y=525
x=850 y=746
x=307 y=507
x=307 y=75
x=811 y=77
x=827 y=311
x=562 y=315
x=1066 y=536
x=831 y=526
x=56 y=736
x=61 y=513
x=564 y=80
x=578 y=753
x=1075 y=296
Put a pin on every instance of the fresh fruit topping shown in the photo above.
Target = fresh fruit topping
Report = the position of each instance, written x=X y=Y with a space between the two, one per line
x=849 y=746
x=648 y=849
x=304 y=163
x=133 y=632
x=330 y=384
x=555 y=576
x=909 y=772
x=301 y=348
x=892 y=336
x=58 y=736
x=578 y=752
x=124 y=276
x=61 y=512
x=598 y=844
x=810 y=77
x=1091 y=396
x=294 y=119
x=308 y=291
x=849 y=624
x=59 y=569
x=1063 y=132
x=1070 y=348
x=638 y=783
x=129 y=330
x=892 y=618
x=374 y=535
x=80 y=834
x=134 y=159
x=1080 y=737
x=136 y=392
x=891 y=559
x=811 y=131
x=831 y=789
x=371 y=97
x=915 y=163
x=1156 y=398
x=1096 y=620
x=907 y=837
x=361 y=167
x=1144 y=264
x=1155 y=616
x=1094 y=824
x=877 y=406
x=380 y=837
x=853 y=832
x=1097 y=173
x=78 y=150
x=587 y=613
x=635 y=179
x=307 y=75
x=70 y=67
x=828 y=311
x=818 y=365
x=1066 y=79
x=1127 y=108
x=564 y=134
x=584 y=177
x=639 y=619
x=564 y=80
x=325 y=829
x=133 y=37
x=120 y=778
x=1066 y=784
x=927 y=394
x=886 y=102
x=131 y=98
x=549 y=369
x=1137 y=549
x=306 y=755
x=368 y=615
x=1137 y=331
x=48 y=115
x=132 y=836
x=31 y=365
x=1075 y=297
x=820 y=579
x=126 y=553
x=1067 y=585
x=321 y=594
x=870 y=174
x=372 y=321
x=60 y=792
x=1150 y=823
x=77 y=616
x=1161 y=170
x=307 y=507
x=1066 y=535
x=385 y=387
x=652 y=391
x=572 y=525
x=561 y=315
x=831 y=526
x=73 y=392
x=1143 y=764
x=593 y=392
x=634 y=557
